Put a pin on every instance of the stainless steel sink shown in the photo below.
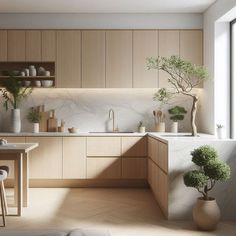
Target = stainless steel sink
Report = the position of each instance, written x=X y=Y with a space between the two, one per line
x=178 y=135
x=100 y=132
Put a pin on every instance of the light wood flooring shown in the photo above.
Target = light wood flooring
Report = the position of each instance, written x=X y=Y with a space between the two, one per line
x=124 y=212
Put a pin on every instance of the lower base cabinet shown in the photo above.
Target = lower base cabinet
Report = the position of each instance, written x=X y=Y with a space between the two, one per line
x=104 y=168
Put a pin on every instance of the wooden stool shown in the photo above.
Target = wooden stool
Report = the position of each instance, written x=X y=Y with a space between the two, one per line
x=4 y=170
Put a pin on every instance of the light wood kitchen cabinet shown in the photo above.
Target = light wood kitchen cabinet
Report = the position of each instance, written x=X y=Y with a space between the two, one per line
x=153 y=149
x=16 y=45
x=134 y=168
x=3 y=45
x=33 y=45
x=93 y=59
x=134 y=146
x=162 y=156
x=68 y=62
x=191 y=46
x=46 y=160
x=10 y=164
x=48 y=45
x=104 y=168
x=168 y=46
x=74 y=157
x=144 y=45
x=119 y=59
x=104 y=146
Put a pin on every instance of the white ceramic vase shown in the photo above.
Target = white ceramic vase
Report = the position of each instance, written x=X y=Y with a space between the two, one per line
x=32 y=71
x=220 y=133
x=142 y=129
x=174 y=127
x=15 y=121
x=206 y=214
x=35 y=127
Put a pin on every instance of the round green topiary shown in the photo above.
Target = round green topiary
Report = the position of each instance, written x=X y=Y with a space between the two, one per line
x=203 y=155
x=217 y=170
x=195 y=179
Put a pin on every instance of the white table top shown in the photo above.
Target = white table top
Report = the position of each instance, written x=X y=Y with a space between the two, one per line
x=17 y=147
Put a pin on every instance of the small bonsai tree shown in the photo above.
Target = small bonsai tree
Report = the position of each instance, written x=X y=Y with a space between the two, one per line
x=34 y=116
x=183 y=77
x=177 y=113
x=13 y=92
x=211 y=170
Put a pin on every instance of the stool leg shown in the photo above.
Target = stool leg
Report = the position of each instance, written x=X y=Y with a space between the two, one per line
x=4 y=198
x=2 y=206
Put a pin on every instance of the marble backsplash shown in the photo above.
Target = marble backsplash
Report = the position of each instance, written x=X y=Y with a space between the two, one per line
x=87 y=109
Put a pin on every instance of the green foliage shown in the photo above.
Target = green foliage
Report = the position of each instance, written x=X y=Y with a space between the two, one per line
x=177 y=113
x=196 y=179
x=34 y=116
x=203 y=155
x=162 y=96
x=140 y=124
x=13 y=92
x=217 y=170
x=183 y=75
x=211 y=170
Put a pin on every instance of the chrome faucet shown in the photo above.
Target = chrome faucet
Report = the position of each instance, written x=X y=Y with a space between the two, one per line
x=112 y=117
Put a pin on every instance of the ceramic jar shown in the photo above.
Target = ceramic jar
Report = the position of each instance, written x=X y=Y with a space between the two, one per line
x=32 y=71
x=15 y=121
x=35 y=127
x=174 y=127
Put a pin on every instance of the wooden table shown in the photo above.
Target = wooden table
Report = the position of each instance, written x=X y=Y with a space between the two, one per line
x=18 y=152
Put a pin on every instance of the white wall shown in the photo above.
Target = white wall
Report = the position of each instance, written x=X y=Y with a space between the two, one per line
x=215 y=97
x=101 y=21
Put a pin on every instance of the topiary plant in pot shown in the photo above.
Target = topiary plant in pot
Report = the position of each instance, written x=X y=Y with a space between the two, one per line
x=176 y=114
x=206 y=213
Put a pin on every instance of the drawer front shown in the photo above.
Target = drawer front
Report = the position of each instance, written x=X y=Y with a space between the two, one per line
x=104 y=146
x=162 y=160
x=134 y=146
x=103 y=168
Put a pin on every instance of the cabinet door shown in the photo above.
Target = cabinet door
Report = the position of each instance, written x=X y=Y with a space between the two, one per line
x=104 y=146
x=144 y=45
x=134 y=146
x=46 y=160
x=10 y=164
x=152 y=149
x=33 y=45
x=74 y=158
x=16 y=45
x=104 y=168
x=118 y=59
x=168 y=46
x=191 y=46
x=93 y=59
x=68 y=63
x=162 y=157
x=48 y=45
x=134 y=168
x=3 y=45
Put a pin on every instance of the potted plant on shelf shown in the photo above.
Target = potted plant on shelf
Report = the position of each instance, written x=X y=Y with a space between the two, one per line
x=34 y=117
x=141 y=127
x=177 y=114
x=206 y=212
x=13 y=94
x=183 y=77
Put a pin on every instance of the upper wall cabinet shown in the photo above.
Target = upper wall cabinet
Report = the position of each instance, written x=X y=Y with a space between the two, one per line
x=48 y=45
x=68 y=61
x=16 y=45
x=93 y=59
x=3 y=45
x=33 y=45
x=191 y=46
x=119 y=59
x=168 y=46
x=144 y=45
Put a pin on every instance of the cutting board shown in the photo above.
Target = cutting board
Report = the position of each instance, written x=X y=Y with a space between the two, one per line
x=44 y=118
x=52 y=122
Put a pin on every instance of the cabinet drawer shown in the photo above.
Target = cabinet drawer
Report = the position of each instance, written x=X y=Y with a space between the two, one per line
x=104 y=168
x=134 y=146
x=134 y=168
x=162 y=157
x=103 y=146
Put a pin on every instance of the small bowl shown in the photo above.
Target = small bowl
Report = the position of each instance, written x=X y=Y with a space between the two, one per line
x=27 y=83
x=73 y=130
x=37 y=83
x=47 y=83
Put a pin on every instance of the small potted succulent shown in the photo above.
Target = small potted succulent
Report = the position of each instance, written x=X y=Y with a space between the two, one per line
x=176 y=114
x=34 y=117
x=141 y=127
x=206 y=212
x=220 y=129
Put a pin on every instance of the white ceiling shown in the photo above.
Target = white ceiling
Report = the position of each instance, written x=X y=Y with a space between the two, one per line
x=104 y=6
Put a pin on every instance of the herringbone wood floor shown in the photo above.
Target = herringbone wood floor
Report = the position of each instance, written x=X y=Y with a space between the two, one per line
x=124 y=212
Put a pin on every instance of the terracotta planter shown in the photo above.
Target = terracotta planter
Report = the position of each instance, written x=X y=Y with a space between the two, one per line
x=206 y=214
